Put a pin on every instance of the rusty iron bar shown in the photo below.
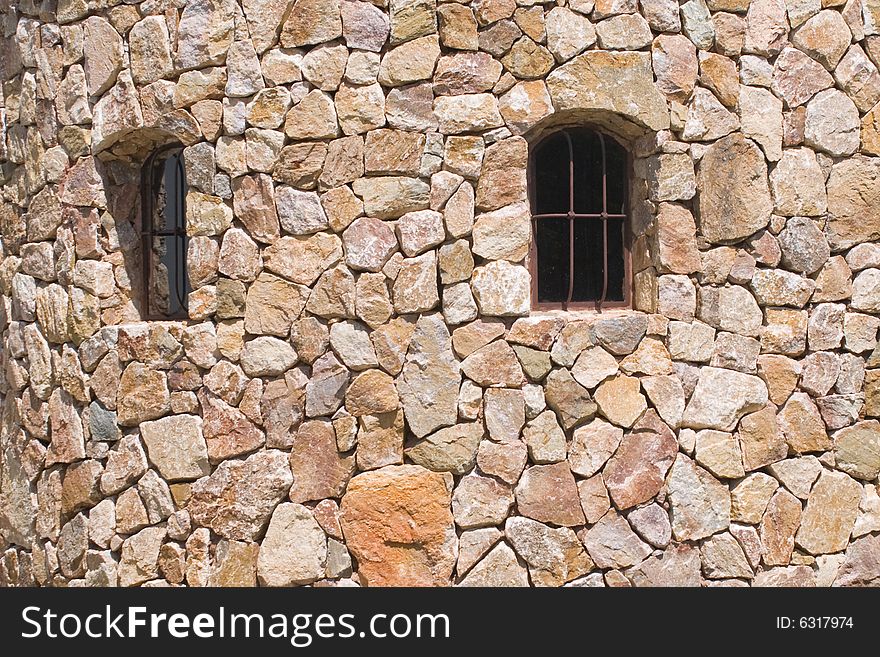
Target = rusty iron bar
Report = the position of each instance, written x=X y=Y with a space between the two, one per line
x=570 y=219
x=577 y=215
x=604 y=224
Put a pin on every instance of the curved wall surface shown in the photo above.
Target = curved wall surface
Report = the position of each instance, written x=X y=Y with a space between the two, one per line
x=362 y=393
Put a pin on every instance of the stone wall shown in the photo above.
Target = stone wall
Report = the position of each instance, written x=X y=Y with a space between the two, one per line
x=361 y=395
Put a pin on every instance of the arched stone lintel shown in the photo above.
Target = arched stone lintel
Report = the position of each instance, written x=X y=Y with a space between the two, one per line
x=123 y=129
x=610 y=123
x=601 y=82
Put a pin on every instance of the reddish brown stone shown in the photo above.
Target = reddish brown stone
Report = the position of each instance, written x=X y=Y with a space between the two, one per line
x=227 y=431
x=281 y=409
x=184 y=376
x=548 y=493
x=368 y=244
x=320 y=470
x=66 y=429
x=80 y=488
x=326 y=513
x=778 y=527
x=636 y=472
x=538 y=333
x=398 y=525
x=254 y=204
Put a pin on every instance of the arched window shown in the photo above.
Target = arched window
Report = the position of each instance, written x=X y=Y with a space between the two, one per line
x=163 y=230
x=580 y=252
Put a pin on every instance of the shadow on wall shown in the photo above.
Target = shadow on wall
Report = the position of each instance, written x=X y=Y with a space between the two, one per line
x=116 y=174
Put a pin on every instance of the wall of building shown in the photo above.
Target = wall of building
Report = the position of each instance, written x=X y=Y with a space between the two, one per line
x=361 y=395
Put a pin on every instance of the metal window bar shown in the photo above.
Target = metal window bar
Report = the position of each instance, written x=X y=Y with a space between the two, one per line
x=152 y=177
x=571 y=215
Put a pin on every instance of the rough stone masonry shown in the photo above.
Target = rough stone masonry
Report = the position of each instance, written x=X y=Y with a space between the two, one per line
x=361 y=395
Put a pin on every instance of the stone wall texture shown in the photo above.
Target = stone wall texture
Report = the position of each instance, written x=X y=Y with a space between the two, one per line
x=361 y=394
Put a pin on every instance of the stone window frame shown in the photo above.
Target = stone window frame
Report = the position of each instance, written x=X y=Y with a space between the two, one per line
x=148 y=194
x=591 y=306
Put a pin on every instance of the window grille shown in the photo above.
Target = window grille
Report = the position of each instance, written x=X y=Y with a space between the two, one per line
x=580 y=256
x=164 y=241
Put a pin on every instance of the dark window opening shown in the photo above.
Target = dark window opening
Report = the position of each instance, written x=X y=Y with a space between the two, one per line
x=164 y=241
x=580 y=254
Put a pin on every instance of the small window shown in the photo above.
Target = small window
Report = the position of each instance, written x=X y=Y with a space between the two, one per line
x=580 y=252
x=164 y=240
